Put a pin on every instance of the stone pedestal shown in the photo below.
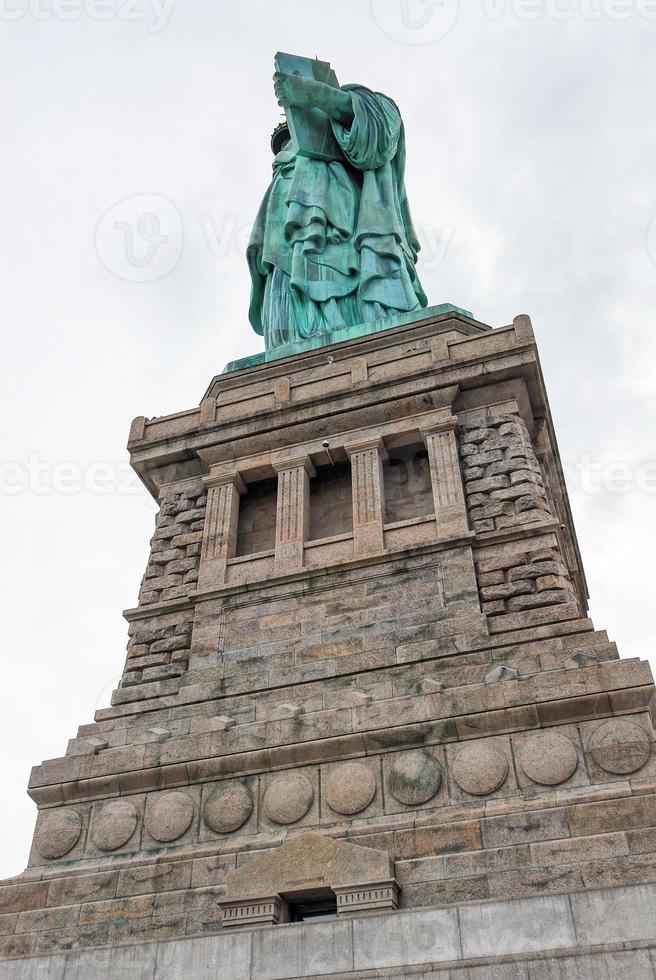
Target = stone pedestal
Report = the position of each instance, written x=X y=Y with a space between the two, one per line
x=360 y=680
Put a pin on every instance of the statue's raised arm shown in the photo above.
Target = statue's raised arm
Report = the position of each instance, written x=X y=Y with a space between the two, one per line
x=333 y=244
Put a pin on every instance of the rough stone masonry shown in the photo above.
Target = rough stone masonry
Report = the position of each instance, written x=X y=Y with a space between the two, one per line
x=365 y=727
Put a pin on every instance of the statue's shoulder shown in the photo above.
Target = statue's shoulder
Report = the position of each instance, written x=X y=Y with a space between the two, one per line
x=369 y=95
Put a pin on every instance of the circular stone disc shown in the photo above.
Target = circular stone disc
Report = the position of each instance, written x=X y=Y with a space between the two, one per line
x=415 y=778
x=114 y=825
x=548 y=758
x=228 y=808
x=288 y=798
x=620 y=746
x=480 y=769
x=350 y=788
x=169 y=816
x=57 y=833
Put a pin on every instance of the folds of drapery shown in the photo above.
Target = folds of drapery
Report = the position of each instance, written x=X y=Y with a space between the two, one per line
x=341 y=232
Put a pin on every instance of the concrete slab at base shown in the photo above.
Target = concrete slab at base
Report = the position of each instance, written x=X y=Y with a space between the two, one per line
x=546 y=938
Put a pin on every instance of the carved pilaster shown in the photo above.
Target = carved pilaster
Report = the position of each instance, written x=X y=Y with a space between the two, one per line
x=293 y=512
x=368 y=495
x=446 y=478
x=220 y=532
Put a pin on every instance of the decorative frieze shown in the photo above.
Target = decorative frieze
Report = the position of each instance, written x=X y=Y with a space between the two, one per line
x=169 y=816
x=288 y=797
x=262 y=912
x=113 y=824
x=228 y=807
x=57 y=833
x=350 y=788
x=355 y=898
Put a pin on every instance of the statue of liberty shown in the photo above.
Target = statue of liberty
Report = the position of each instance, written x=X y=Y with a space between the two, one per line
x=333 y=243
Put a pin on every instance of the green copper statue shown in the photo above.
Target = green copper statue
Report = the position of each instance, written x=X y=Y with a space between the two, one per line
x=333 y=244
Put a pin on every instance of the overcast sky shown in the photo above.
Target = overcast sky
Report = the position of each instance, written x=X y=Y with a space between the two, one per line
x=531 y=175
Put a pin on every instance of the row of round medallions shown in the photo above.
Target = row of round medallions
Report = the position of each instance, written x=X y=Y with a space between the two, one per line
x=547 y=758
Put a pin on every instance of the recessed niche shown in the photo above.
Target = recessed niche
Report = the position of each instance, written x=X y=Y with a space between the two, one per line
x=407 y=479
x=331 y=502
x=256 y=530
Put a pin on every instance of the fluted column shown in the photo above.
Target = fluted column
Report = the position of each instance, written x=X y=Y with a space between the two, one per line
x=220 y=531
x=293 y=512
x=446 y=478
x=368 y=495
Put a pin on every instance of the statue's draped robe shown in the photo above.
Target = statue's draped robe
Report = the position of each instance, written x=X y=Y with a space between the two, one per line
x=333 y=243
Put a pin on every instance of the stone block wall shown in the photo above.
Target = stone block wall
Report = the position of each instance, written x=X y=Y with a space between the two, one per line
x=505 y=492
x=159 y=644
x=566 y=937
x=158 y=649
x=522 y=576
x=172 y=570
x=346 y=622
x=526 y=813
x=503 y=480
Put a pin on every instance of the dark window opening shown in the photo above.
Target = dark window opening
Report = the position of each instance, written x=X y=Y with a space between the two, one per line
x=256 y=530
x=321 y=909
x=407 y=479
x=331 y=501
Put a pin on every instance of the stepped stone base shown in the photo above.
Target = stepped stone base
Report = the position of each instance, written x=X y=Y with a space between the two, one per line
x=594 y=934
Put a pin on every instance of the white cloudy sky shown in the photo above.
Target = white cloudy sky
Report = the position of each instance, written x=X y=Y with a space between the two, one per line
x=531 y=163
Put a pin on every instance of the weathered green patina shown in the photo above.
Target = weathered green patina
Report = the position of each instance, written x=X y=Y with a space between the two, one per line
x=344 y=334
x=333 y=245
